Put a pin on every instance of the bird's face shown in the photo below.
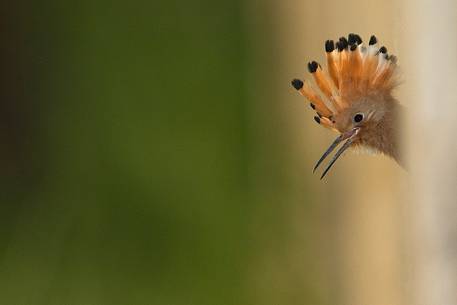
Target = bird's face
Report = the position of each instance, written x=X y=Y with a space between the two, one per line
x=362 y=114
x=354 y=123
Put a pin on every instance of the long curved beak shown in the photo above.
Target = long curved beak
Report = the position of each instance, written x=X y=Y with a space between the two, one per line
x=349 y=136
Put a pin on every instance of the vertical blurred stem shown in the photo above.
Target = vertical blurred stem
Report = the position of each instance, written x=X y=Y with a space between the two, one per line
x=433 y=72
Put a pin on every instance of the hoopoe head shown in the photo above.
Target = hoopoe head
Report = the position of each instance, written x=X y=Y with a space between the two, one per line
x=355 y=94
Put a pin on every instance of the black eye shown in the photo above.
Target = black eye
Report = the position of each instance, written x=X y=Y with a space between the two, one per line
x=358 y=117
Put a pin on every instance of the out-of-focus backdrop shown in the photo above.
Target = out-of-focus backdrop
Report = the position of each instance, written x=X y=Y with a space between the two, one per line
x=154 y=152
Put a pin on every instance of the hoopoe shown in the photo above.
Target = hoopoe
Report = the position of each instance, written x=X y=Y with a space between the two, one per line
x=355 y=97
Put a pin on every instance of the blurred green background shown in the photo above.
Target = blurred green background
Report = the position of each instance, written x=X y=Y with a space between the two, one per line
x=130 y=159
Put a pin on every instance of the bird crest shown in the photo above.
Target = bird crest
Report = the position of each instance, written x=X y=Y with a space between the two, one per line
x=353 y=92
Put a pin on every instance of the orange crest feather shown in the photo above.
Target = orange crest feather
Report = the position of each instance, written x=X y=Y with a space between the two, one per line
x=353 y=71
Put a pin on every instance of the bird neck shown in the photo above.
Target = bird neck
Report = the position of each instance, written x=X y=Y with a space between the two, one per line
x=384 y=136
